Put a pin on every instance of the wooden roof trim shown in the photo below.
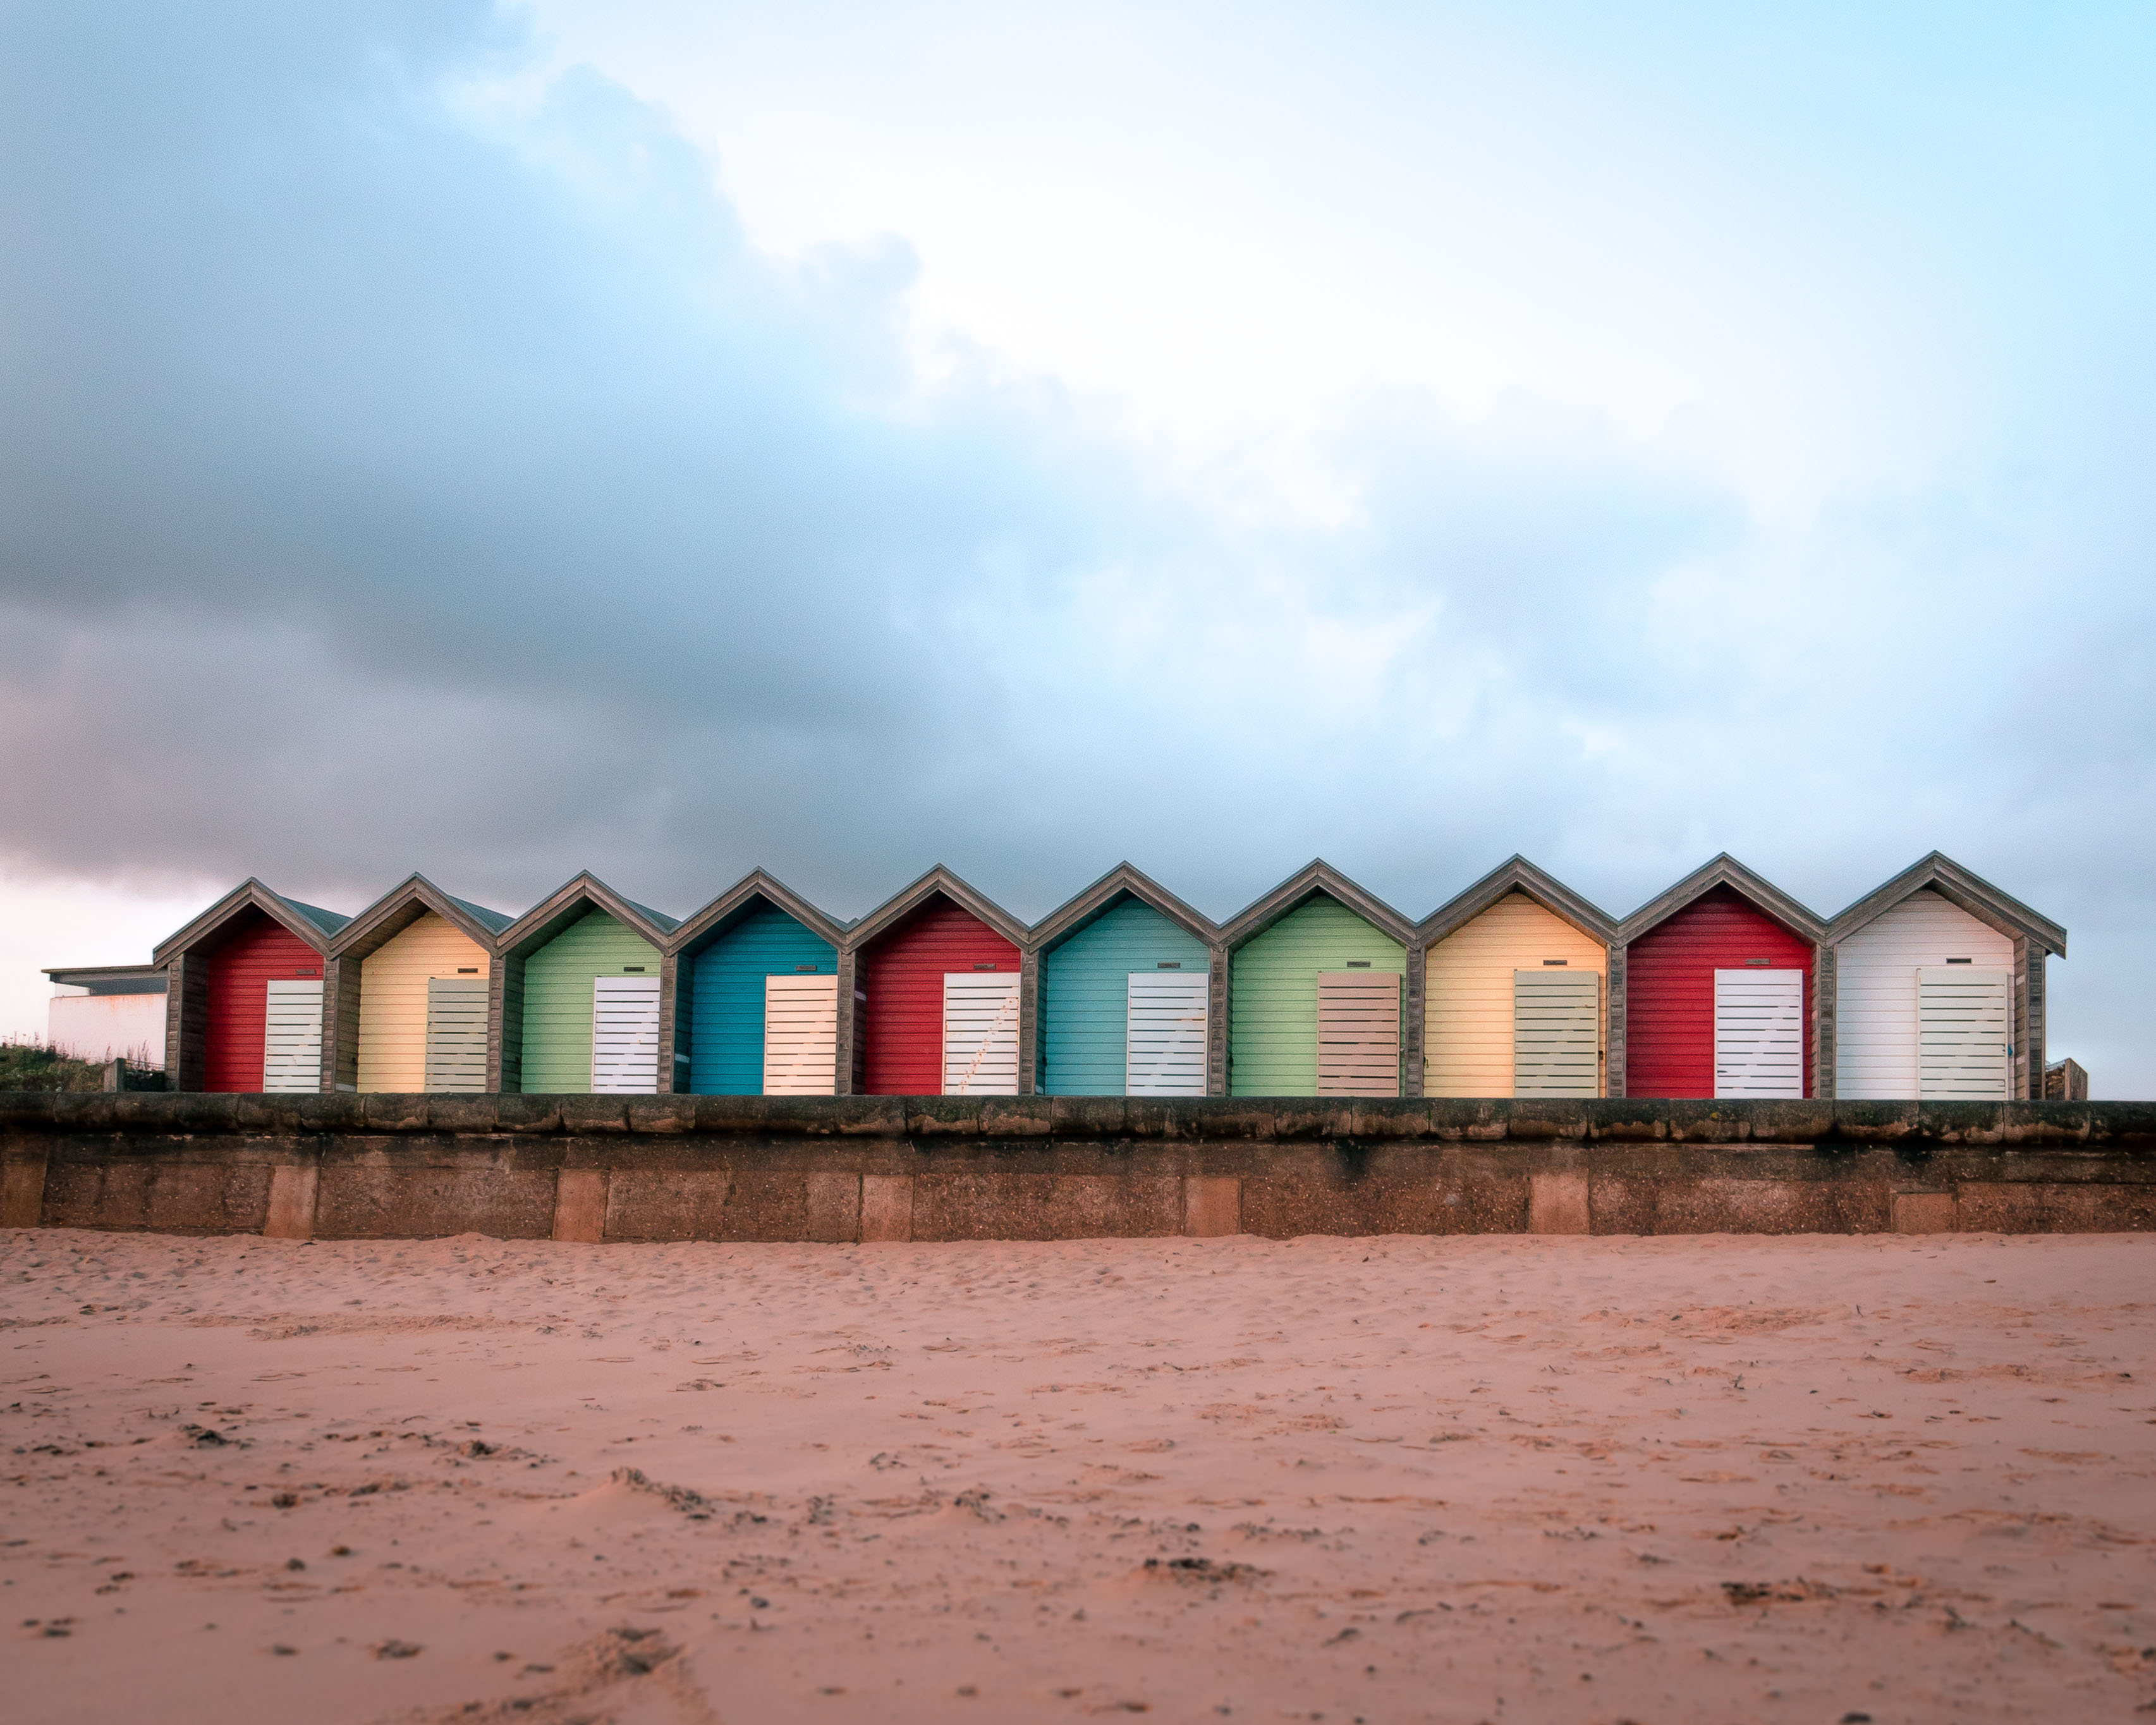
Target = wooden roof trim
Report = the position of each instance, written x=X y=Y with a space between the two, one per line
x=582 y=891
x=1060 y=924
x=1317 y=878
x=1960 y=887
x=1725 y=871
x=910 y=898
x=383 y=921
x=249 y=894
x=1515 y=874
x=699 y=928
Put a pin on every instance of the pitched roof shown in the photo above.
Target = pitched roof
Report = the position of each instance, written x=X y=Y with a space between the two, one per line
x=938 y=882
x=1515 y=874
x=310 y=922
x=579 y=896
x=704 y=925
x=1316 y=878
x=404 y=904
x=1121 y=881
x=1725 y=871
x=1961 y=888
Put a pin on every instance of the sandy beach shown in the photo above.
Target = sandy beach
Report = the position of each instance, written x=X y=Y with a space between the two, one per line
x=1476 y=1478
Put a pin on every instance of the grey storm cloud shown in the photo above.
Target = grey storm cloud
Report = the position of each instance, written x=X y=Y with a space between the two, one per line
x=396 y=477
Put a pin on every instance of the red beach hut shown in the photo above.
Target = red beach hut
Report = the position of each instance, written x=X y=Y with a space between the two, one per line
x=938 y=976
x=1718 y=988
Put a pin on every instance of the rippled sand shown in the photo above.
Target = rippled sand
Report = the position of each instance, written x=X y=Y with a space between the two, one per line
x=1400 y=1479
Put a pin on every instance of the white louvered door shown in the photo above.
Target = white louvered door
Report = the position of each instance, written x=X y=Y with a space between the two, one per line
x=1164 y=1034
x=1759 y=1032
x=292 y=1037
x=800 y=1036
x=1964 y=1034
x=456 y=1033
x=1358 y=1033
x=625 y=1035
x=1556 y=1033
x=980 y=1033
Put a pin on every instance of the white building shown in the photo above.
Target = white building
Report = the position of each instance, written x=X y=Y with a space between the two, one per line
x=108 y=1012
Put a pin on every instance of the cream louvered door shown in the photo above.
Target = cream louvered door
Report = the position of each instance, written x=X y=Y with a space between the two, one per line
x=800 y=1036
x=1358 y=1033
x=456 y=1033
x=1164 y=1034
x=1758 y=1033
x=1964 y=1034
x=625 y=1034
x=292 y=1037
x=1556 y=1033
x=980 y=1033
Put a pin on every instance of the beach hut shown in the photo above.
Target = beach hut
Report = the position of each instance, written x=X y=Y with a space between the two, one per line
x=1719 y=995
x=756 y=992
x=1939 y=989
x=576 y=995
x=244 y=1003
x=413 y=976
x=938 y=1008
x=1317 y=970
x=1128 y=979
x=1515 y=989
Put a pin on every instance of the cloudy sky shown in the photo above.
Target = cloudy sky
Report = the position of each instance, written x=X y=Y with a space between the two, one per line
x=667 y=438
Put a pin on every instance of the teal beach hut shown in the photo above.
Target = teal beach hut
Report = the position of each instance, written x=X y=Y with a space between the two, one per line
x=755 y=990
x=1128 y=987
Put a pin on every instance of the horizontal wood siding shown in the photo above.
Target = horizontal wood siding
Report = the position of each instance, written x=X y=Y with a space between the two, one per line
x=1876 y=988
x=1670 y=990
x=900 y=1022
x=1358 y=1033
x=1557 y=1032
x=1085 y=985
x=292 y=1036
x=800 y=1036
x=1759 y=1032
x=1468 y=993
x=1272 y=1000
x=980 y=1033
x=456 y=1033
x=557 y=999
x=1167 y=1013
x=239 y=969
x=1965 y=1034
x=394 y=995
x=724 y=984
x=625 y=1035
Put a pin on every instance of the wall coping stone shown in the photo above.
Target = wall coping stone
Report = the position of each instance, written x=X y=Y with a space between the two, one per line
x=1900 y=1124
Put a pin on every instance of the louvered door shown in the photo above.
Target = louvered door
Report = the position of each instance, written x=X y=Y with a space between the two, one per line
x=625 y=1034
x=980 y=1033
x=800 y=1036
x=1164 y=1034
x=456 y=1033
x=292 y=1037
x=1759 y=1032
x=1556 y=1033
x=1964 y=1034
x=1358 y=1033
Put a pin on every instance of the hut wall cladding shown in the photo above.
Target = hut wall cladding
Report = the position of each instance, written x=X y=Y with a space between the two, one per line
x=902 y=975
x=1084 y=995
x=1876 y=988
x=1467 y=1012
x=724 y=985
x=259 y=952
x=393 y=998
x=1669 y=987
x=558 y=981
x=1272 y=1010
